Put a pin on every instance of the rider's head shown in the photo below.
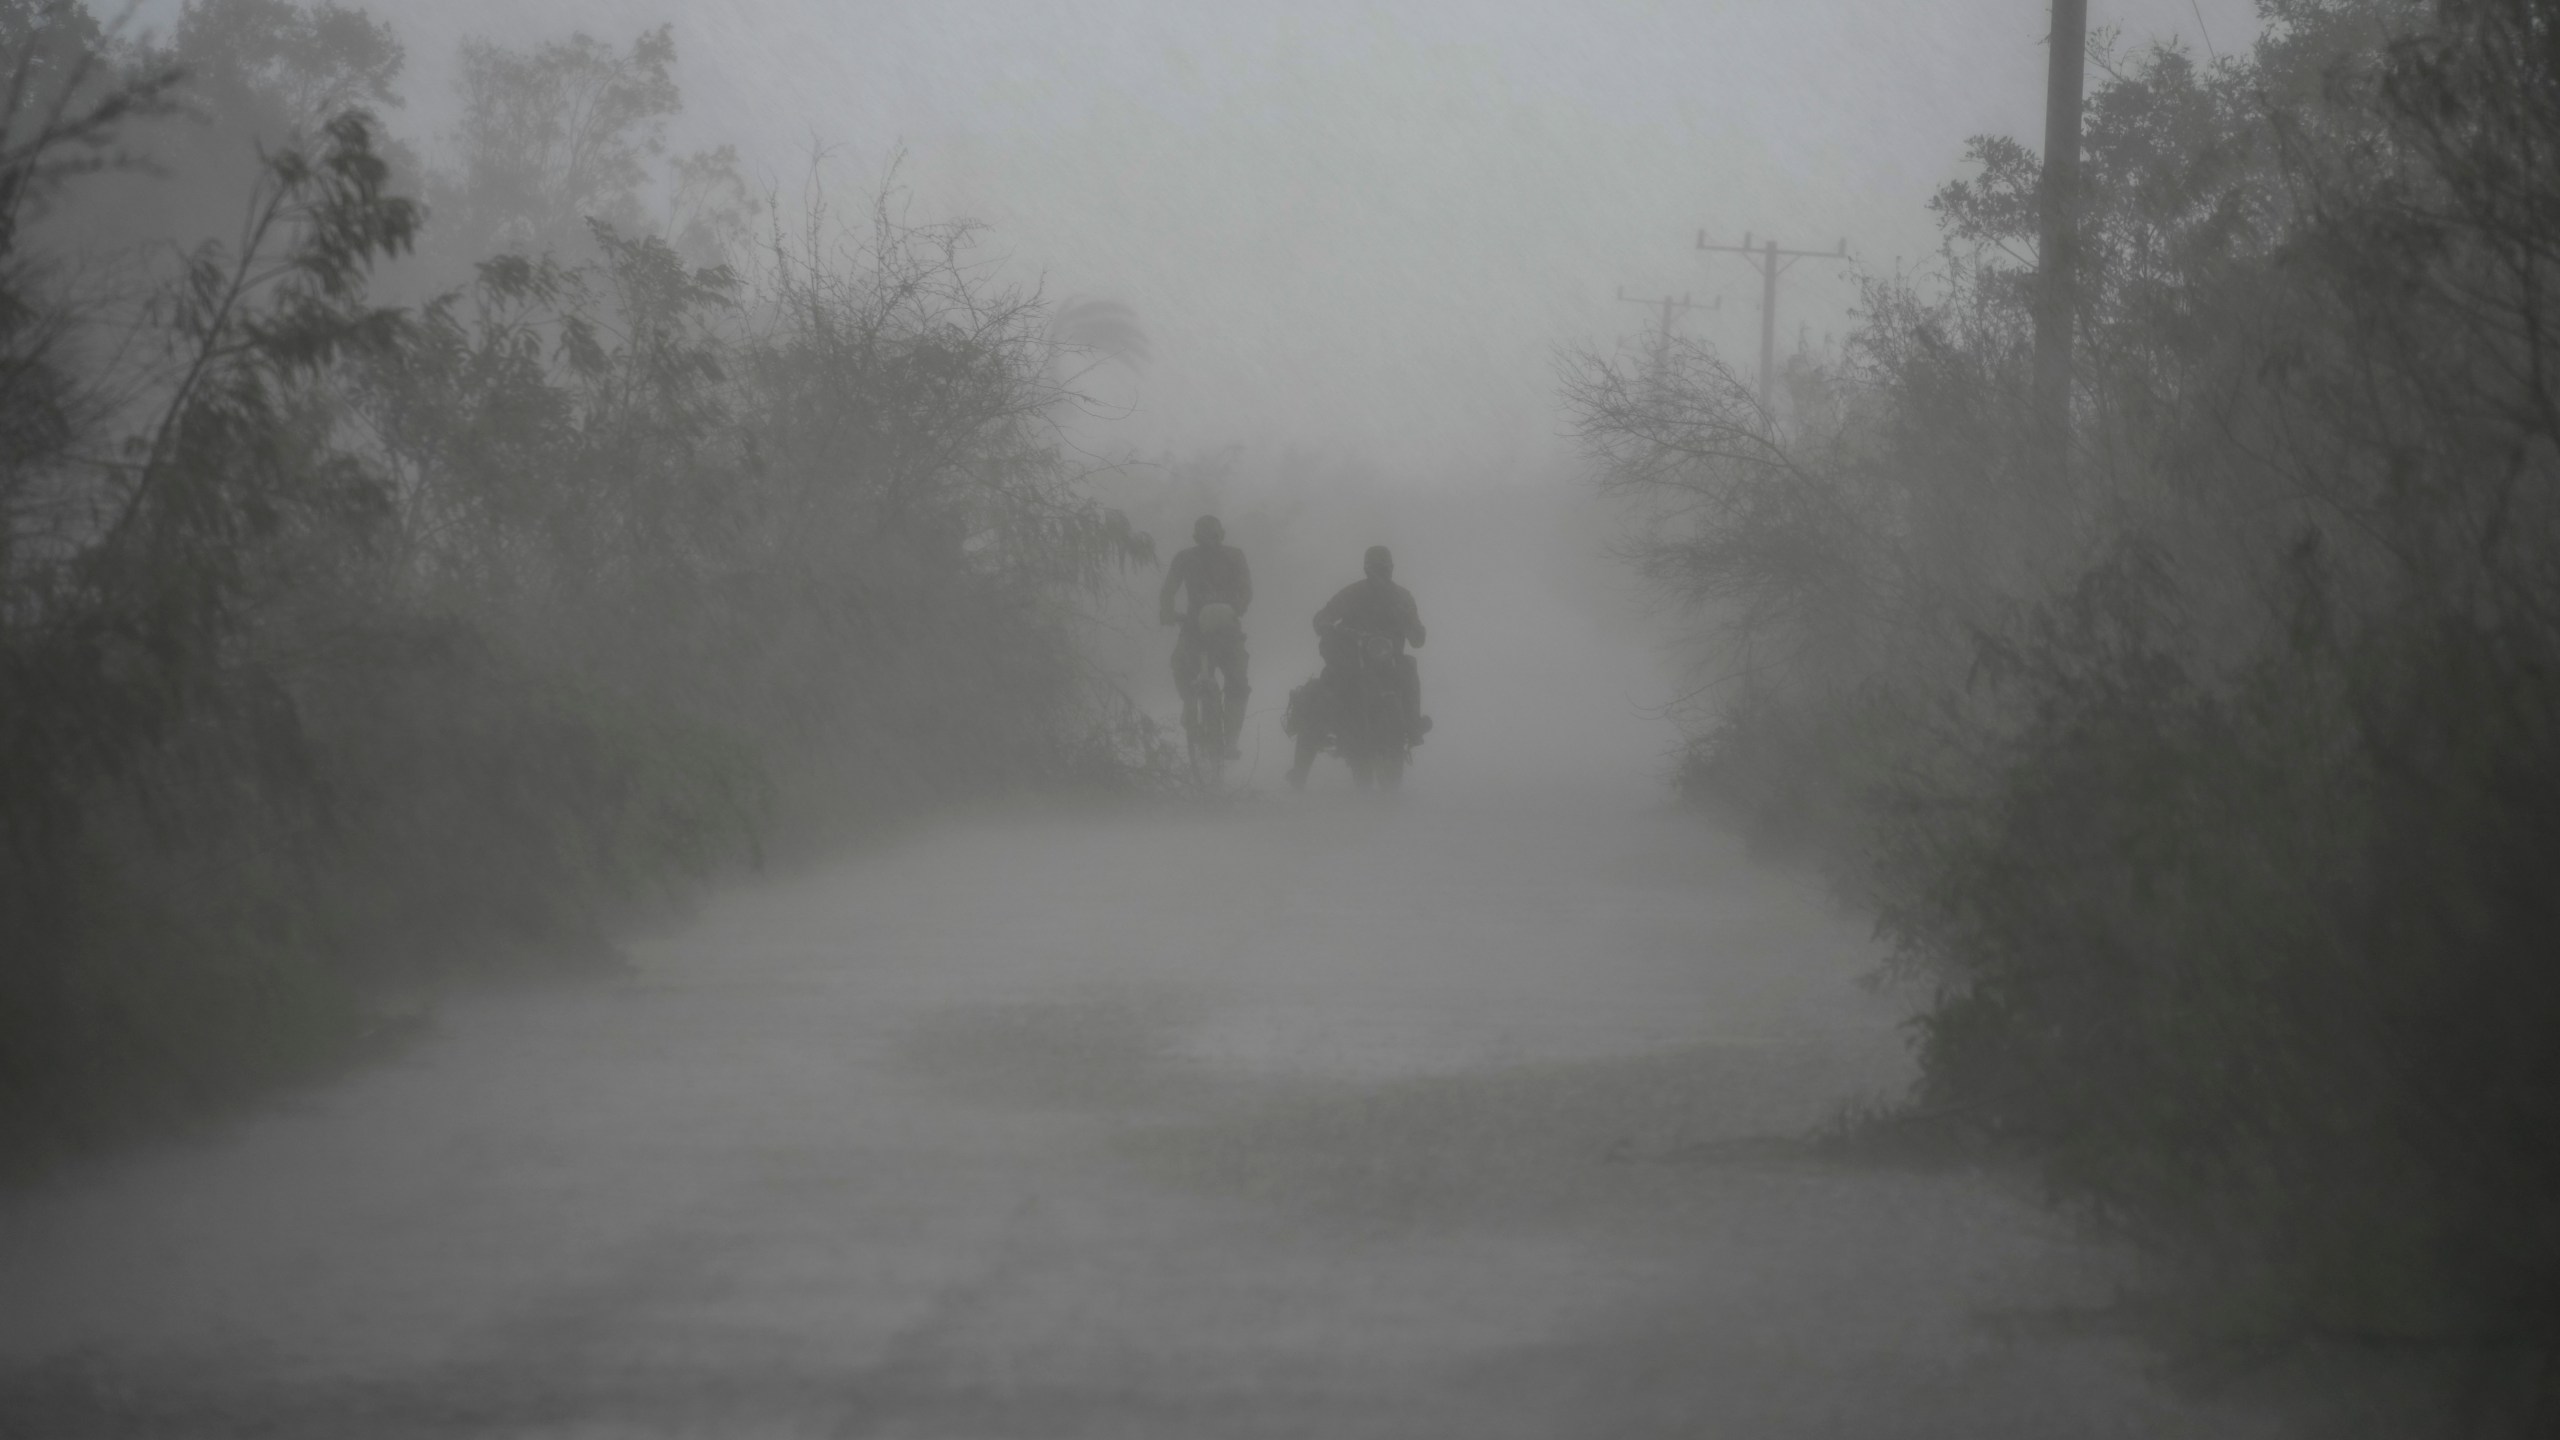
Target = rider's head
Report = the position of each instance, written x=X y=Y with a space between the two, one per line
x=1208 y=531
x=1378 y=564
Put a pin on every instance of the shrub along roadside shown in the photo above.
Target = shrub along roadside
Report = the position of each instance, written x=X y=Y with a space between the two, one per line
x=338 y=639
x=2210 y=796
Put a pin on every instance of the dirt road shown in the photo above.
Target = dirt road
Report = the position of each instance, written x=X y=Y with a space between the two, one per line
x=1279 y=1117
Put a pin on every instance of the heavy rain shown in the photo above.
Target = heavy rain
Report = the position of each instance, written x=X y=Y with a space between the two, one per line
x=1128 y=719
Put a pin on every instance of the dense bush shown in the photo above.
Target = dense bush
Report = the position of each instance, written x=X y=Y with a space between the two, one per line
x=2213 y=790
x=337 y=636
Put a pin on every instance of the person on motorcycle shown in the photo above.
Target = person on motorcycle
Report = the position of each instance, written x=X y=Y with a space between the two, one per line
x=1213 y=573
x=1375 y=605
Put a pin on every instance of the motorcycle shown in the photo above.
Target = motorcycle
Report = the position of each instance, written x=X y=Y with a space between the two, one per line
x=1361 y=718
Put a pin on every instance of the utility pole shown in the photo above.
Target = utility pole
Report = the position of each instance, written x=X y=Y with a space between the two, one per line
x=2058 y=254
x=1662 y=336
x=1770 y=261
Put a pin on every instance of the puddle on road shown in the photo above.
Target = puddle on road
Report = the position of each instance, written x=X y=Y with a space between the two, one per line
x=1420 y=1107
x=1517 y=1138
x=1400 y=1112
x=1414 y=1039
x=1104 y=1046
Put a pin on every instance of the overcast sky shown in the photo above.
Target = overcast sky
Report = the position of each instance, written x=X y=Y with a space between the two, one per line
x=1370 y=226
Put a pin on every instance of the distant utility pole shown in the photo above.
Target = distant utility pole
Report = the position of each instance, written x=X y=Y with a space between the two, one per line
x=1662 y=336
x=1771 y=262
x=2058 y=254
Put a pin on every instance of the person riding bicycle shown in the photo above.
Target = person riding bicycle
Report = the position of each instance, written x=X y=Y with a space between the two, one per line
x=1215 y=577
x=1375 y=605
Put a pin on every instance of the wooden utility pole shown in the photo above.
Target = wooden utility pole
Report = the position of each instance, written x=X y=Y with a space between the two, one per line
x=1662 y=335
x=1771 y=261
x=2058 y=254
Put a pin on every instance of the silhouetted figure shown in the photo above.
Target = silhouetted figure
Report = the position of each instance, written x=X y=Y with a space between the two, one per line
x=1372 y=605
x=1212 y=573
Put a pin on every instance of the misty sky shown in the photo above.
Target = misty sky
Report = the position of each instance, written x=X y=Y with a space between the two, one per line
x=1368 y=227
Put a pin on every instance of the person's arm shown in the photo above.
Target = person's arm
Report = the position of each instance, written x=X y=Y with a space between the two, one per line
x=1327 y=617
x=1244 y=584
x=1173 y=577
x=1412 y=621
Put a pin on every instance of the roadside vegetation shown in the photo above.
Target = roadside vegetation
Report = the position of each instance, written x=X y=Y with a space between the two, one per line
x=2211 y=792
x=413 y=556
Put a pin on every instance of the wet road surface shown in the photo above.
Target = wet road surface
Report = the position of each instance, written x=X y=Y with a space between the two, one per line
x=1282 y=1116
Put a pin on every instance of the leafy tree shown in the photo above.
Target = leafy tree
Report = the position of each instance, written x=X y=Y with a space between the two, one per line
x=277 y=68
x=337 y=636
x=557 y=136
x=2211 y=798
x=132 y=583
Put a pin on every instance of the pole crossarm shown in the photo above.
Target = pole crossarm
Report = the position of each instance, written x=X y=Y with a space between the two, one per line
x=1773 y=247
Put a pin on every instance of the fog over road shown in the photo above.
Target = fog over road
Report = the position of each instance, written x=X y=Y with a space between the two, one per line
x=1285 y=1117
